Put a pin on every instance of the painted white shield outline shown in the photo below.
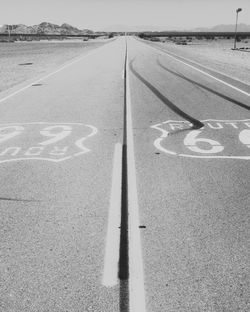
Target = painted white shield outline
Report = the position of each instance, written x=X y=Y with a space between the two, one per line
x=50 y=146
x=244 y=137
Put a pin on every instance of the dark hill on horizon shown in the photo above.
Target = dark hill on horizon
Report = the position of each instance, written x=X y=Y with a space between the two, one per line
x=45 y=28
x=66 y=29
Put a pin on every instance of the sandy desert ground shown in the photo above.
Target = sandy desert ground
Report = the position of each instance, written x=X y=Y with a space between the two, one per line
x=217 y=55
x=20 y=61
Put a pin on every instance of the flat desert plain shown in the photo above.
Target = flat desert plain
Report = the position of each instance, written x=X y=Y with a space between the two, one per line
x=20 y=61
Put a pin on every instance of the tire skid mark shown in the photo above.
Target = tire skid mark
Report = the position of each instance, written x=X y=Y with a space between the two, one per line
x=195 y=122
x=204 y=70
x=225 y=97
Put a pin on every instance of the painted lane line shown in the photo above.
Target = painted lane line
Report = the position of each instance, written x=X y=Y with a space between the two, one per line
x=51 y=74
x=136 y=274
x=113 y=232
x=201 y=71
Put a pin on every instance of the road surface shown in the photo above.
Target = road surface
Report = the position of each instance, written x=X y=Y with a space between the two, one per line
x=125 y=186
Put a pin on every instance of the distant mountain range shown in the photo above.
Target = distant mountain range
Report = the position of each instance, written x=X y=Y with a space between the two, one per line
x=66 y=29
x=45 y=28
x=217 y=28
x=225 y=28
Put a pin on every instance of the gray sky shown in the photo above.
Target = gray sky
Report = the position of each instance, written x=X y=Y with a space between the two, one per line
x=98 y=14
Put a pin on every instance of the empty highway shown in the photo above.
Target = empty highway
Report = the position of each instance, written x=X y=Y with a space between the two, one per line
x=125 y=186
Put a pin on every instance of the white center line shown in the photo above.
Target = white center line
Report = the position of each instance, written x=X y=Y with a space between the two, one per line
x=136 y=274
x=113 y=232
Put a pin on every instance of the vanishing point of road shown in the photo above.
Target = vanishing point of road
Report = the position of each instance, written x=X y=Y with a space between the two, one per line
x=125 y=186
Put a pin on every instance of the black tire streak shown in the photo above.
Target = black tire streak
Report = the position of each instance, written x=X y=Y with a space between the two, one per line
x=204 y=87
x=195 y=122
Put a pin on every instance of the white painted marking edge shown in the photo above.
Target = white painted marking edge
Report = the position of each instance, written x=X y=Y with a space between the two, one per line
x=79 y=143
x=201 y=71
x=203 y=120
x=157 y=142
x=51 y=74
x=136 y=274
x=110 y=273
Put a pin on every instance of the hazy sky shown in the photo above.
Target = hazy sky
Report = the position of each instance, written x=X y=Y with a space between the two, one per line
x=97 y=14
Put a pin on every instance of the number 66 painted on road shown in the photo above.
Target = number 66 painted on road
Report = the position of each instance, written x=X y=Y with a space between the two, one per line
x=44 y=141
x=228 y=139
x=191 y=141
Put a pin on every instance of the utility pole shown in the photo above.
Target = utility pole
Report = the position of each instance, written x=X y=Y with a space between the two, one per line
x=235 y=37
x=8 y=27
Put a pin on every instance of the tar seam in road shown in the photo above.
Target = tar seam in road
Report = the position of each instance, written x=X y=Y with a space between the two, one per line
x=131 y=275
x=124 y=242
x=135 y=261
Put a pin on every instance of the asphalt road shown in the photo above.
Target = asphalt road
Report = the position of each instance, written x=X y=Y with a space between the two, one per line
x=75 y=158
